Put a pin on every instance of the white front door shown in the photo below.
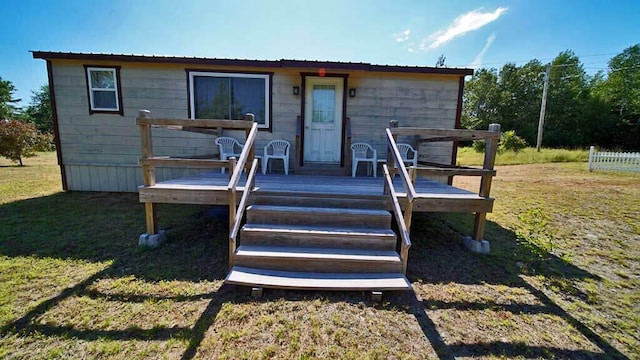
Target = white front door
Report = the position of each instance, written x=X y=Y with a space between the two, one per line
x=323 y=119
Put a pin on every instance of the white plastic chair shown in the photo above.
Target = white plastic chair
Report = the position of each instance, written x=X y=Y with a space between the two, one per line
x=276 y=149
x=405 y=149
x=229 y=147
x=363 y=152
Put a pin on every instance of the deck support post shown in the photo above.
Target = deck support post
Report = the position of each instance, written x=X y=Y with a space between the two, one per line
x=408 y=210
x=477 y=243
x=153 y=237
x=256 y=292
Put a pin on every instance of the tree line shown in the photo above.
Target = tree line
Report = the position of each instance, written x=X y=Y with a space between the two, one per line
x=23 y=131
x=601 y=109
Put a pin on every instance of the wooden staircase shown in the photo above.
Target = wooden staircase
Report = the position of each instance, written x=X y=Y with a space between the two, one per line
x=317 y=242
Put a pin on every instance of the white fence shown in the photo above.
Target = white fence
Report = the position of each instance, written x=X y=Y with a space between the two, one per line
x=616 y=161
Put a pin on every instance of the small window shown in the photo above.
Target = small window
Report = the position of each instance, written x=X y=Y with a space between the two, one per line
x=230 y=96
x=103 y=86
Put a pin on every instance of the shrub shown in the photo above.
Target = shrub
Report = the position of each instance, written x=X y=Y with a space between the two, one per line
x=511 y=142
x=508 y=142
x=21 y=140
x=479 y=145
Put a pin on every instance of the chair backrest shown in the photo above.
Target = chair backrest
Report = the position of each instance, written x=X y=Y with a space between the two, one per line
x=404 y=151
x=361 y=150
x=227 y=144
x=277 y=148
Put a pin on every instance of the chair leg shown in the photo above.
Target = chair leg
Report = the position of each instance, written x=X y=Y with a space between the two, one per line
x=265 y=161
x=354 y=167
x=286 y=166
x=374 y=165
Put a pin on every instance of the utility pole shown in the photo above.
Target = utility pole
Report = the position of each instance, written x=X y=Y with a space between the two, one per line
x=542 y=108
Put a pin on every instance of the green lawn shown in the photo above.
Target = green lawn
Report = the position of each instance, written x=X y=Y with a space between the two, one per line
x=562 y=281
x=467 y=156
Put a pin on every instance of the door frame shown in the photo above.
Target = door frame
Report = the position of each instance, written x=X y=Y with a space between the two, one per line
x=343 y=116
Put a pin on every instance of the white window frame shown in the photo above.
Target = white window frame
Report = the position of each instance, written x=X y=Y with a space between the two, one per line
x=267 y=98
x=114 y=90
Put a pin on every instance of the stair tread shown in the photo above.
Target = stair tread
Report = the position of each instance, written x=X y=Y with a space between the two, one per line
x=310 y=229
x=305 y=209
x=316 y=281
x=317 y=253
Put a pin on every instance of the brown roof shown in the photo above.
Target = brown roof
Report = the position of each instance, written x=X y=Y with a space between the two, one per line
x=284 y=63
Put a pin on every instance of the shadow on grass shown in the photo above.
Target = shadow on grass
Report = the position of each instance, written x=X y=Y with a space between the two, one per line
x=438 y=256
x=106 y=226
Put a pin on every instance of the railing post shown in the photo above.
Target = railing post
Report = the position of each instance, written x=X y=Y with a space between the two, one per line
x=390 y=160
x=148 y=171
x=408 y=210
x=591 y=152
x=491 y=149
x=232 y=194
x=249 y=117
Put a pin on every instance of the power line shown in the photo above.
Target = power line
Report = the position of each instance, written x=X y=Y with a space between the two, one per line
x=541 y=60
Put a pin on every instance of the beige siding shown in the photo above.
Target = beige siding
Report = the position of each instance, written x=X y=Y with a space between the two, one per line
x=101 y=151
x=419 y=101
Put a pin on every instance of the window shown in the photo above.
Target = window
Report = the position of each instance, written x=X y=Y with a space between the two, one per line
x=103 y=86
x=230 y=96
x=324 y=103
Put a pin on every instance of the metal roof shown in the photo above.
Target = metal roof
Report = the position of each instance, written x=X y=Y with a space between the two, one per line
x=282 y=63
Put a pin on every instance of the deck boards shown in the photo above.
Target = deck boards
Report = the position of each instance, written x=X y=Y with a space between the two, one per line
x=433 y=195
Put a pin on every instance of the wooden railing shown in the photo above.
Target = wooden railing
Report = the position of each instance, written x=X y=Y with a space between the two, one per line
x=492 y=137
x=405 y=243
x=408 y=178
x=234 y=225
x=149 y=162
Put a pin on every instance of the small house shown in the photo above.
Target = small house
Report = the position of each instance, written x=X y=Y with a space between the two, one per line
x=318 y=106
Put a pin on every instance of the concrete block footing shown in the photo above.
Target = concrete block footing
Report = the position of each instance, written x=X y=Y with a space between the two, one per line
x=152 y=240
x=481 y=247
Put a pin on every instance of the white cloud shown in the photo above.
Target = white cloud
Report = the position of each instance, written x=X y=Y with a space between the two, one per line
x=402 y=36
x=463 y=24
x=480 y=57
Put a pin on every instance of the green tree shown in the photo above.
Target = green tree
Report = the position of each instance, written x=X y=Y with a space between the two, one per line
x=621 y=91
x=480 y=101
x=19 y=140
x=520 y=96
x=565 y=123
x=39 y=111
x=7 y=107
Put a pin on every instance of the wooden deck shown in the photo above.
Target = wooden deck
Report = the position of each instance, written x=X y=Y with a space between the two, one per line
x=317 y=232
x=211 y=188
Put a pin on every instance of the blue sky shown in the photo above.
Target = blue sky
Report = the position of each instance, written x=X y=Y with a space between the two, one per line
x=468 y=33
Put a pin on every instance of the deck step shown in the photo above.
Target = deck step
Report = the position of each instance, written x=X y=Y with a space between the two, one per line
x=318 y=259
x=296 y=215
x=316 y=281
x=318 y=236
x=286 y=198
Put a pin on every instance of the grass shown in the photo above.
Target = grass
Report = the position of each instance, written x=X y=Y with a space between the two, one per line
x=562 y=280
x=467 y=156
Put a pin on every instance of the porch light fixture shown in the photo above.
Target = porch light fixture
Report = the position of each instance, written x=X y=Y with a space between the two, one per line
x=352 y=92
x=296 y=90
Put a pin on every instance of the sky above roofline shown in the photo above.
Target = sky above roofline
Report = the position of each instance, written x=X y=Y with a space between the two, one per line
x=467 y=34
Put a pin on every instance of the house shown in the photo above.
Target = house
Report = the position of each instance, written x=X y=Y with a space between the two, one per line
x=96 y=98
